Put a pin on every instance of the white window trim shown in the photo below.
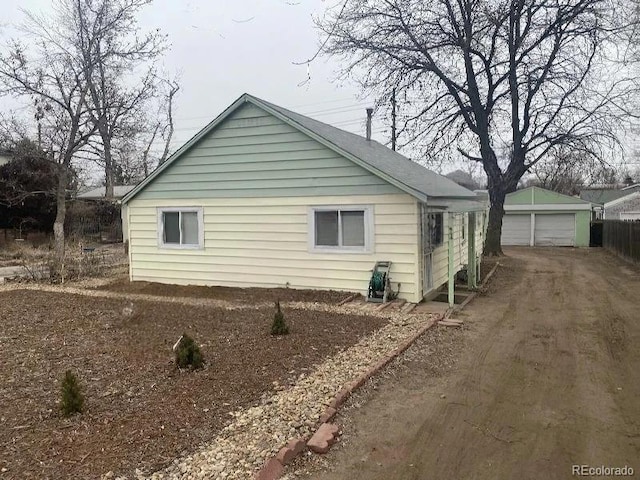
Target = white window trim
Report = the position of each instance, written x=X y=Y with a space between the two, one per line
x=368 y=229
x=176 y=246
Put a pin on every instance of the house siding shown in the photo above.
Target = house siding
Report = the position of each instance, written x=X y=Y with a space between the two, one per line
x=631 y=205
x=253 y=154
x=263 y=242
x=583 y=228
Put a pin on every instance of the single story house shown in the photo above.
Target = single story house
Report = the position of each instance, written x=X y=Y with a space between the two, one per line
x=266 y=197
x=535 y=216
x=614 y=204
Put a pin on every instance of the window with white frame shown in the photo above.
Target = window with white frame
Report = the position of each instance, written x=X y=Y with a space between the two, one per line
x=180 y=227
x=341 y=228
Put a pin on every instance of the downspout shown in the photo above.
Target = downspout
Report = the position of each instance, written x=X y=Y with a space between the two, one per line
x=472 y=281
x=452 y=274
x=129 y=240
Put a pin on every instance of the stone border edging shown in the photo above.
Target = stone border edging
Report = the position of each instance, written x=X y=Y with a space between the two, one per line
x=274 y=467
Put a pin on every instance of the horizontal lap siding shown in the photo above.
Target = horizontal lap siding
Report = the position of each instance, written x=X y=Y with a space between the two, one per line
x=255 y=155
x=264 y=242
x=255 y=177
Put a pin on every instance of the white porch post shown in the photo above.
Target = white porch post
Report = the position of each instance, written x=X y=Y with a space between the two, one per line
x=472 y=281
x=450 y=255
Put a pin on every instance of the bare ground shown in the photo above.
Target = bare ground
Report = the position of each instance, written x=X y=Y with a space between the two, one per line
x=252 y=295
x=544 y=375
x=141 y=411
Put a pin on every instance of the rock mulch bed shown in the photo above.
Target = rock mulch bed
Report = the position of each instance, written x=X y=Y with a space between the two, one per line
x=258 y=433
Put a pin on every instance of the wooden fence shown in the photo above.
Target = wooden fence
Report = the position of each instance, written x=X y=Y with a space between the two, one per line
x=622 y=238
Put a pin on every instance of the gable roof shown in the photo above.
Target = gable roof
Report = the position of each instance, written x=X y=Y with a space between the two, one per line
x=533 y=188
x=99 y=193
x=606 y=195
x=630 y=195
x=381 y=161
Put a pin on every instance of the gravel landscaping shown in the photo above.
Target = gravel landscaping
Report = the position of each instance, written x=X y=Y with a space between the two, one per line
x=257 y=433
x=141 y=412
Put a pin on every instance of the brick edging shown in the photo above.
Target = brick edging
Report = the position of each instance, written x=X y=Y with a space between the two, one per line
x=274 y=467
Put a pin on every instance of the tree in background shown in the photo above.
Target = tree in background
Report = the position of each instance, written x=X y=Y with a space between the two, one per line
x=77 y=69
x=560 y=171
x=505 y=81
x=48 y=71
x=28 y=186
x=120 y=66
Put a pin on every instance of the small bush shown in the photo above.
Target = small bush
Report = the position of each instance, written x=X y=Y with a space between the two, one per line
x=72 y=398
x=188 y=354
x=279 y=327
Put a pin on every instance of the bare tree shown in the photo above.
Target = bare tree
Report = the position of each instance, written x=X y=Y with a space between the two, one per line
x=49 y=71
x=107 y=34
x=171 y=88
x=503 y=81
x=148 y=141
x=560 y=171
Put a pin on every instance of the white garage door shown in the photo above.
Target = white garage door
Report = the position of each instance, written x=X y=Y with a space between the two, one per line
x=516 y=229
x=557 y=229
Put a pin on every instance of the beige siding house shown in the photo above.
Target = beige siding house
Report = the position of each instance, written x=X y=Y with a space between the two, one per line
x=265 y=197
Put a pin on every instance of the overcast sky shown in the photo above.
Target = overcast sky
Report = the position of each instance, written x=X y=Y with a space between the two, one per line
x=222 y=49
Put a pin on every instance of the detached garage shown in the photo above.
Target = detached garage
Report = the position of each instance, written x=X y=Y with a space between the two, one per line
x=535 y=216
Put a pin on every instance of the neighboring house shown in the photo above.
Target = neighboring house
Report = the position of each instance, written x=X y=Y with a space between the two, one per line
x=615 y=204
x=99 y=193
x=464 y=179
x=90 y=217
x=265 y=197
x=538 y=217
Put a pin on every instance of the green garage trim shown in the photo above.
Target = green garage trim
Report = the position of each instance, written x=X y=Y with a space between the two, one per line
x=538 y=217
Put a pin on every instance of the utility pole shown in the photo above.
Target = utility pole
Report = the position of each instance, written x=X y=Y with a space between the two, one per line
x=393 y=120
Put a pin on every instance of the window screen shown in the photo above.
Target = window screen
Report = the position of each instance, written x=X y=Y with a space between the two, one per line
x=171 y=222
x=189 y=228
x=352 y=228
x=326 y=229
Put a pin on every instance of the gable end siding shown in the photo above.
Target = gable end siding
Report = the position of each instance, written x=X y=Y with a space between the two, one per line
x=253 y=154
x=630 y=205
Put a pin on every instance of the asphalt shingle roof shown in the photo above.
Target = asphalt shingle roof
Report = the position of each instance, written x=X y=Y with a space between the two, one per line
x=380 y=160
x=119 y=191
x=379 y=157
x=605 y=195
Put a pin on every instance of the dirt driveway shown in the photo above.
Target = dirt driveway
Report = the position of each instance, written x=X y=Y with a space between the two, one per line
x=548 y=376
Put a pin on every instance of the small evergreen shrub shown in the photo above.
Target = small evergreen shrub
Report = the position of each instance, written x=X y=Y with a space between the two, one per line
x=72 y=398
x=279 y=327
x=188 y=354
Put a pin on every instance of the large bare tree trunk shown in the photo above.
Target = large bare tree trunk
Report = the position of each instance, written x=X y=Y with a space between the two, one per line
x=61 y=212
x=497 y=195
x=492 y=246
x=109 y=167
